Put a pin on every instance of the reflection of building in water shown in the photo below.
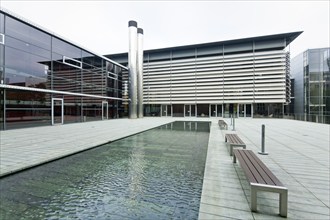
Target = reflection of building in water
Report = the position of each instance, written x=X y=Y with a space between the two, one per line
x=187 y=126
x=46 y=79
x=137 y=165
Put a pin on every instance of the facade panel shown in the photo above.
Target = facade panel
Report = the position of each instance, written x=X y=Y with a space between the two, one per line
x=311 y=73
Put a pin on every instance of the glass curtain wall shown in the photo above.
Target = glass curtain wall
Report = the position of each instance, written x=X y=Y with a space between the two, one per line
x=317 y=81
x=38 y=60
x=2 y=92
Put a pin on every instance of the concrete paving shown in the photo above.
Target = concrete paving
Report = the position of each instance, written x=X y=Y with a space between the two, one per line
x=298 y=156
x=27 y=147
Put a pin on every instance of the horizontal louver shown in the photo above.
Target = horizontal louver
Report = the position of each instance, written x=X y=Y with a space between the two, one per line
x=259 y=77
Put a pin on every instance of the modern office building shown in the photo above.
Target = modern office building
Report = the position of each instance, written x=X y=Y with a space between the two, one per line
x=249 y=77
x=46 y=79
x=311 y=74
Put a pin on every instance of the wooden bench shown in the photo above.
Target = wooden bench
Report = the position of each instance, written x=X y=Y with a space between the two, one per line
x=223 y=124
x=234 y=141
x=261 y=179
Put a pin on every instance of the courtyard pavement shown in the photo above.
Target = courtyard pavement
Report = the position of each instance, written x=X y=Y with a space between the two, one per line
x=298 y=156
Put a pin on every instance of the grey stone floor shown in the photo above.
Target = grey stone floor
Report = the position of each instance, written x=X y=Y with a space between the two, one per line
x=27 y=147
x=298 y=155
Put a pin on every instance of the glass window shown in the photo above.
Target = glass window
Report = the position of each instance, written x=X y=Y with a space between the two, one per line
x=25 y=69
x=314 y=89
x=2 y=23
x=72 y=109
x=92 y=109
x=65 y=49
x=93 y=82
x=1 y=109
x=27 y=33
x=314 y=76
x=66 y=78
x=27 y=109
x=2 y=47
x=219 y=110
x=91 y=59
x=30 y=48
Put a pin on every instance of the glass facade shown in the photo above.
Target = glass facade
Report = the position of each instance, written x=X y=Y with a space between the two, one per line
x=44 y=76
x=312 y=85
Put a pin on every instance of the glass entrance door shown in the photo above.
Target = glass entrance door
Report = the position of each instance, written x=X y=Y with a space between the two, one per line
x=187 y=110
x=213 y=111
x=244 y=110
x=166 y=110
x=190 y=110
x=57 y=111
x=105 y=110
x=219 y=110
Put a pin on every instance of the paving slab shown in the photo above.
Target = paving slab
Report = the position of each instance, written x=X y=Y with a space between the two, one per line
x=298 y=156
x=28 y=147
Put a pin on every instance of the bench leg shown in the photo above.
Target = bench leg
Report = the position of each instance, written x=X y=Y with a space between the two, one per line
x=253 y=199
x=284 y=203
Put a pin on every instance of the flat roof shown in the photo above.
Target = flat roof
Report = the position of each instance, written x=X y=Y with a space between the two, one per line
x=291 y=36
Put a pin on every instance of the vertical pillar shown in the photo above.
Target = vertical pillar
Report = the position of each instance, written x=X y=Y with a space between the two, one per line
x=132 y=68
x=140 y=72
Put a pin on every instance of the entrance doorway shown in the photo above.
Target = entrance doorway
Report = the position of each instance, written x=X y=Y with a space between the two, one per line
x=166 y=110
x=203 y=110
x=190 y=110
x=105 y=110
x=215 y=110
x=57 y=111
x=178 y=110
x=245 y=110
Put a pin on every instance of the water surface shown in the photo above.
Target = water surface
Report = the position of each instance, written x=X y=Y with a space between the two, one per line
x=157 y=174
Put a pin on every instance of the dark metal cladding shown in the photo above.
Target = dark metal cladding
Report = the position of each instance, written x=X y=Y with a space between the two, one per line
x=140 y=31
x=132 y=23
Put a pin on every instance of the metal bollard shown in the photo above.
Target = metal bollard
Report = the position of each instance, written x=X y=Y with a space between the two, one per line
x=263 y=151
x=233 y=123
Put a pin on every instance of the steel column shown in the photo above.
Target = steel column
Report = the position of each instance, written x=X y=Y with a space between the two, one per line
x=132 y=68
x=140 y=72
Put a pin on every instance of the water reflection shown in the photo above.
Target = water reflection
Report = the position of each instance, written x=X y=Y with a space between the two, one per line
x=156 y=174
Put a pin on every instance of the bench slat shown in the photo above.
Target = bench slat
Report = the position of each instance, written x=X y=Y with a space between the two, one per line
x=245 y=167
x=269 y=177
x=233 y=138
x=250 y=171
x=258 y=169
x=255 y=170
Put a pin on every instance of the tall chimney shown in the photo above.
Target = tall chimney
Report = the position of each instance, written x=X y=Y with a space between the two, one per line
x=132 y=69
x=140 y=71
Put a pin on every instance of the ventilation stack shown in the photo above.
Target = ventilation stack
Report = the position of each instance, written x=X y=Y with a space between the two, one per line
x=132 y=68
x=140 y=71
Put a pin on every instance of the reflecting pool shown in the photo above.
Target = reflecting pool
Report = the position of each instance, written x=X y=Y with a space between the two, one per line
x=157 y=174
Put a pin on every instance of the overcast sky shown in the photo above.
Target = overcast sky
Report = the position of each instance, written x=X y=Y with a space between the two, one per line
x=102 y=26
